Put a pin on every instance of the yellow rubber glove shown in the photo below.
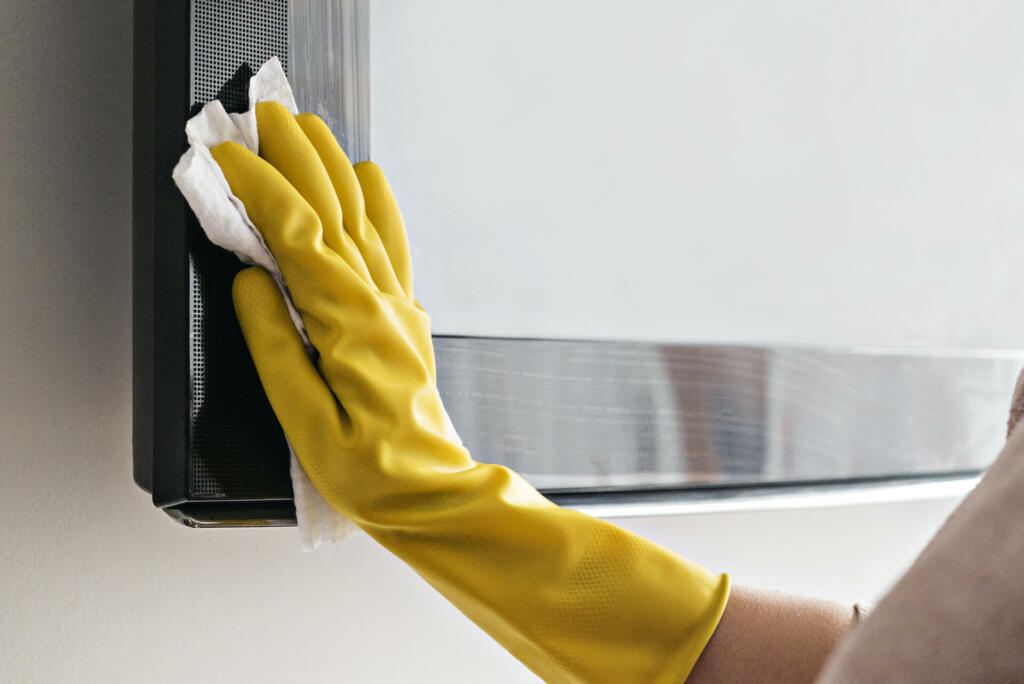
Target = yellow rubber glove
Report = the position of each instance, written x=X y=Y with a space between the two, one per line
x=574 y=598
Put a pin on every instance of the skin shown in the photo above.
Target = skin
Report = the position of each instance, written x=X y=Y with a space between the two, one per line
x=769 y=636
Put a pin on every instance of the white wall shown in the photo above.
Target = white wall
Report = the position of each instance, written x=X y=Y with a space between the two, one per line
x=95 y=584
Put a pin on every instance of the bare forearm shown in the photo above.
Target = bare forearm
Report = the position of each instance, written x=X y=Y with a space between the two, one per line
x=771 y=637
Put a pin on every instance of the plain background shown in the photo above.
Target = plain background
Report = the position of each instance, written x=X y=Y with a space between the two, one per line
x=95 y=584
x=844 y=173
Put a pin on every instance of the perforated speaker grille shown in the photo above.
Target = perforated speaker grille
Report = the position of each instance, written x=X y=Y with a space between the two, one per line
x=236 y=447
x=229 y=35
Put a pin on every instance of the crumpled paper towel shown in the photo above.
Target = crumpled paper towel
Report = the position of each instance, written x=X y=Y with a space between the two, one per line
x=224 y=219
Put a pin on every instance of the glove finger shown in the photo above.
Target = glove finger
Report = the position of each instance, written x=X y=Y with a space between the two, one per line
x=325 y=289
x=285 y=146
x=383 y=212
x=354 y=218
x=302 y=401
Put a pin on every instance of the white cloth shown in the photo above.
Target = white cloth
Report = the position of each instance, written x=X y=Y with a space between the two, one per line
x=226 y=223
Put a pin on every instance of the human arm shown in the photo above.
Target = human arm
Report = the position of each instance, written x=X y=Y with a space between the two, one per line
x=573 y=597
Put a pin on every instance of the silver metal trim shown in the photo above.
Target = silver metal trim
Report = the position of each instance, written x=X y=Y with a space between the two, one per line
x=600 y=417
x=330 y=67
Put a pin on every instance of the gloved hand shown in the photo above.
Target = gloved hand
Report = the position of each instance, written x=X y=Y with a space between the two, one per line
x=574 y=598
